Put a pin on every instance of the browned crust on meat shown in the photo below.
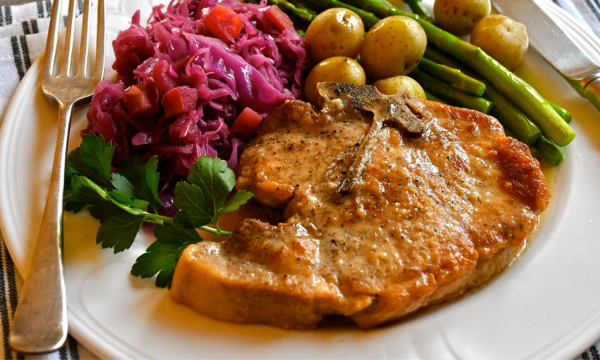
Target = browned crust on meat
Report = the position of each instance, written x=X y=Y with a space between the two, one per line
x=523 y=176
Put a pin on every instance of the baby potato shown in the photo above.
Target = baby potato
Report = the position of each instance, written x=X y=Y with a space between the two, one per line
x=460 y=16
x=398 y=84
x=394 y=46
x=338 y=69
x=335 y=32
x=503 y=38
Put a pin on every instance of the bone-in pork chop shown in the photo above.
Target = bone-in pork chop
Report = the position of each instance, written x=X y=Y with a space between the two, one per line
x=390 y=204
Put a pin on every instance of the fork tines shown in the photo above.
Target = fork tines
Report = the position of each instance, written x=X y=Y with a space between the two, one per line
x=66 y=67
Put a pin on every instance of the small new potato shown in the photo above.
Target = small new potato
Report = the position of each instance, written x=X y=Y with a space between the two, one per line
x=394 y=46
x=460 y=16
x=335 y=32
x=502 y=38
x=398 y=84
x=338 y=69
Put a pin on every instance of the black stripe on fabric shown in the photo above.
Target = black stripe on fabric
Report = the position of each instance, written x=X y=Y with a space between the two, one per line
x=594 y=8
x=73 y=351
x=4 y=313
x=594 y=352
x=12 y=285
x=8 y=15
x=12 y=281
x=64 y=19
x=17 y=55
x=48 y=8
x=62 y=353
x=34 y=26
x=40 y=9
x=2 y=15
x=25 y=51
x=25 y=25
x=79 y=7
x=585 y=356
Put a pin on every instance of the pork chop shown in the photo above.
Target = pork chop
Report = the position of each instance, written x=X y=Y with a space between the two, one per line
x=390 y=204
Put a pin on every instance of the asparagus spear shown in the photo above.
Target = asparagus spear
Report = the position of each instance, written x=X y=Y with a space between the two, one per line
x=510 y=85
x=368 y=18
x=302 y=5
x=548 y=151
x=454 y=96
x=524 y=129
x=439 y=57
x=456 y=78
x=292 y=10
x=432 y=97
x=417 y=7
x=562 y=112
x=534 y=152
x=512 y=118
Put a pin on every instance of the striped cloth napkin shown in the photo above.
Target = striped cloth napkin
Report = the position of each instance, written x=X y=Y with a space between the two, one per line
x=23 y=33
x=22 y=38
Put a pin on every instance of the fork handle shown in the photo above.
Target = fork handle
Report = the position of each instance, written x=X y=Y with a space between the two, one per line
x=40 y=322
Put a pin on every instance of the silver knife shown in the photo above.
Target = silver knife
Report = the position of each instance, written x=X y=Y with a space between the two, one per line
x=555 y=46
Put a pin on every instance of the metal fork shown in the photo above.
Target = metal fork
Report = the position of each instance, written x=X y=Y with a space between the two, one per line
x=40 y=322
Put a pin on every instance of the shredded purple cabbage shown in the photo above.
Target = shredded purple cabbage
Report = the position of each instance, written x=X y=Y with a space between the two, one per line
x=259 y=69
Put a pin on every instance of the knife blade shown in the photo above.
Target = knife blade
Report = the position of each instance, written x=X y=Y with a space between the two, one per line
x=555 y=46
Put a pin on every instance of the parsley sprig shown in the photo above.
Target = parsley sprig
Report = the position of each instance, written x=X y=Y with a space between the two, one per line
x=127 y=198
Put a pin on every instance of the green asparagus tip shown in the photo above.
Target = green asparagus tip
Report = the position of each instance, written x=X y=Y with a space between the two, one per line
x=549 y=152
x=432 y=97
x=562 y=112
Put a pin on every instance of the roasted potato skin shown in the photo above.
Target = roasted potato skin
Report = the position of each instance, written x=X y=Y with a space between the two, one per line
x=335 y=32
x=460 y=16
x=502 y=38
x=394 y=46
x=339 y=69
x=399 y=84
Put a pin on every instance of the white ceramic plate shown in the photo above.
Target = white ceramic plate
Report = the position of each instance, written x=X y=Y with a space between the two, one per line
x=547 y=304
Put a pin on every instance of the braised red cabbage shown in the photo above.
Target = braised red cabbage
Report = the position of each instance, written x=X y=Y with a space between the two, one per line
x=260 y=68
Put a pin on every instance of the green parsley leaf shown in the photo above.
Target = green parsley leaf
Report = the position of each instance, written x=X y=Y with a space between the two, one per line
x=195 y=208
x=85 y=191
x=118 y=230
x=127 y=200
x=201 y=202
x=92 y=160
x=100 y=211
x=121 y=201
x=70 y=204
x=122 y=184
x=215 y=180
x=162 y=256
x=139 y=180
x=239 y=199
x=97 y=155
